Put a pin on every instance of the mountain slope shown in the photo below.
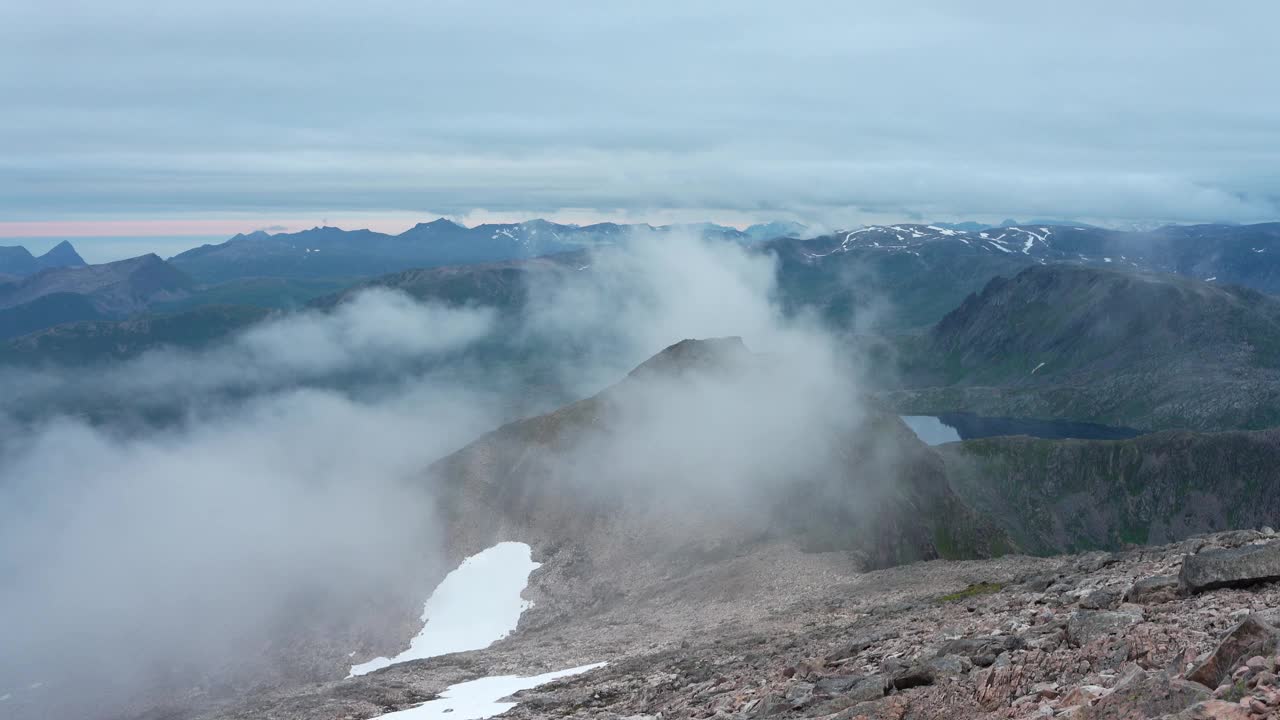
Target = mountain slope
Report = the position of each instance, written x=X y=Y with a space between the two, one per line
x=44 y=312
x=117 y=288
x=709 y=446
x=1121 y=348
x=89 y=341
x=1058 y=496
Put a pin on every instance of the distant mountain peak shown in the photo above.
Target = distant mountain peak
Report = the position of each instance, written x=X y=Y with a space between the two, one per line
x=439 y=224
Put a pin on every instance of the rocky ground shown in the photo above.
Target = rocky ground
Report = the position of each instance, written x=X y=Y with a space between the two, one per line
x=1183 y=631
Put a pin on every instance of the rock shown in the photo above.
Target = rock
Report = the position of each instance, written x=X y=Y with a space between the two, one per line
x=1092 y=562
x=1102 y=599
x=1213 y=710
x=1158 y=589
x=951 y=665
x=1084 y=626
x=1257 y=663
x=1039 y=582
x=914 y=676
x=871 y=687
x=1147 y=695
x=799 y=694
x=996 y=684
x=858 y=644
x=837 y=684
x=1046 y=690
x=1249 y=638
x=1083 y=695
x=981 y=651
x=1233 y=567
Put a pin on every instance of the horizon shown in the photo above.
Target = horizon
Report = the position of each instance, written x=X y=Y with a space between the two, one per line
x=251 y=122
x=98 y=249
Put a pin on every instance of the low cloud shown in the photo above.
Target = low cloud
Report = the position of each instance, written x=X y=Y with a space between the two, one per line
x=285 y=480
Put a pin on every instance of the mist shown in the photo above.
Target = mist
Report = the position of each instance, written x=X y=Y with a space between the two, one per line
x=284 y=498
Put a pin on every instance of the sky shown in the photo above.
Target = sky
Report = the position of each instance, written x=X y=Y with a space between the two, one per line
x=157 y=122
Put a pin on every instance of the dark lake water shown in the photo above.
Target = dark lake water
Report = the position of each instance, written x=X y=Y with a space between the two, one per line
x=950 y=427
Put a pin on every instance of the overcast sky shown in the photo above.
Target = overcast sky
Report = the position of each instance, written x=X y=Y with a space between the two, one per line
x=239 y=114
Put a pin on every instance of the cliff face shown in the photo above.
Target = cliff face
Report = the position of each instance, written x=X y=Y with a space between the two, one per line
x=1070 y=495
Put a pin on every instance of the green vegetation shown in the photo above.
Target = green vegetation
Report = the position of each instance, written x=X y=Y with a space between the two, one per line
x=975 y=590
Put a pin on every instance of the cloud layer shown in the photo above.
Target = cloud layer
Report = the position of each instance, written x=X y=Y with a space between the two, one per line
x=232 y=514
x=832 y=111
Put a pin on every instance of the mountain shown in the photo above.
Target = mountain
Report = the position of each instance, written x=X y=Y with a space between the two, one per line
x=88 y=341
x=327 y=252
x=709 y=590
x=854 y=481
x=88 y=292
x=1056 y=496
x=1136 y=349
x=17 y=260
x=1247 y=255
x=46 y=311
x=116 y=288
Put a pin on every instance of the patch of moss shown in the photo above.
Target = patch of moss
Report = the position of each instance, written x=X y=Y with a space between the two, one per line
x=975 y=590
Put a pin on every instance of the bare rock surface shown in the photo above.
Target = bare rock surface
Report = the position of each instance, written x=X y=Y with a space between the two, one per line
x=777 y=632
x=1231 y=567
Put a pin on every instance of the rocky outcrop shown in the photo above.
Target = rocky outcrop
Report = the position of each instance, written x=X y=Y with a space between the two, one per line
x=1229 y=567
x=1252 y=638
x=799 y=635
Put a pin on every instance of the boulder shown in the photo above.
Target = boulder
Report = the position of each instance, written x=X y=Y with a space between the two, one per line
x=1251 y=637
x=1147 y=695
x=799 y=694
x=1215 y=710
x=1102 y=599
x=858 y=644
x=1157 y=589
x=914 y=676
x=981 y=651
x=1231 y=567
x=1085 y=626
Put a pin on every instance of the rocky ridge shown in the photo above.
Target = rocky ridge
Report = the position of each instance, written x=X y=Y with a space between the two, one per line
x=1098 y=635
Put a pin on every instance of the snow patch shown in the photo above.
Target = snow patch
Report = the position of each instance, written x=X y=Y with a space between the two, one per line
x=1034 y=369
x=474 y=606
x=478 y=699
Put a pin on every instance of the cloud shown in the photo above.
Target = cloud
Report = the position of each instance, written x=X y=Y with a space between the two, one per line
x=244 y=516
x=821 y=108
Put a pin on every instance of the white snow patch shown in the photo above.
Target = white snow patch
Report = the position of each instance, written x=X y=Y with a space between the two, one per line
x=1215 y=277
x=478 y=699
x=474 y=606
x=1001 y=248
x=1034 y=369
x=1258 y=250
x=1106 y=259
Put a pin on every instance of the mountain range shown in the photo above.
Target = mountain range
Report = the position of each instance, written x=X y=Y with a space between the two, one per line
x=70 y=293
x=329 y=252
x=17 y=261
